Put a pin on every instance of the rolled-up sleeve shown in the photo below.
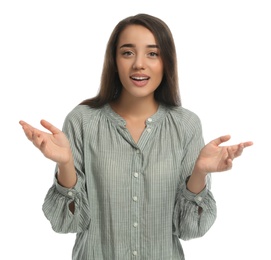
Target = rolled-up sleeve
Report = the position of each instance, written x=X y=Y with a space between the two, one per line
x=58 y=198
x=194 y=214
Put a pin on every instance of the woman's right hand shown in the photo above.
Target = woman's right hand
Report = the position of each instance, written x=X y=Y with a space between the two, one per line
x=54 y=145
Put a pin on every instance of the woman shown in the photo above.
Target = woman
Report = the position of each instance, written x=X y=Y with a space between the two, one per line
x=132 y=171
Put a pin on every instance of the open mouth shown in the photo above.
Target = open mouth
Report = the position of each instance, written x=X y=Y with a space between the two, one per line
x=140 y=78
x=140 y=81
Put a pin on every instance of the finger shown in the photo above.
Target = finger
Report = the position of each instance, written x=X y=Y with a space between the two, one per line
x=37 y=139
x=29 y=135
x=50 y=127
x=239 y=150
x=229 y=164
x=231 y=153
x=25 y=125
x=247 y=144
x=221 y=139
x=21 y=122
x=28 y=132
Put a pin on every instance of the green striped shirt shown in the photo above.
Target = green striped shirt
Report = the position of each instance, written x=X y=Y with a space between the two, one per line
x=131 y=200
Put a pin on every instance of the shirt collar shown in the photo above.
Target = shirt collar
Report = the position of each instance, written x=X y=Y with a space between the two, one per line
x=118 y=120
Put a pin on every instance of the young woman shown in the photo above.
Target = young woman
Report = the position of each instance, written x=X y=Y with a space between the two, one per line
x=132 y=170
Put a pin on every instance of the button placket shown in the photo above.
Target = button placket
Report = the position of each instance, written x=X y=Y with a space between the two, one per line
x=148 y=129
x=135 y=206
x=135 y=198
x=199 y=198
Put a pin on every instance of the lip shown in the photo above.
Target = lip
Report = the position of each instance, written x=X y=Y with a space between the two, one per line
x=139 y=75
x=140 y=80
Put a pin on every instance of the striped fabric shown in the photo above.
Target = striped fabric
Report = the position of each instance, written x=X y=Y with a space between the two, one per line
x=131 y=200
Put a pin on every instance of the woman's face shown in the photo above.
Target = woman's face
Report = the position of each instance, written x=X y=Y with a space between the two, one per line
x=138 y=60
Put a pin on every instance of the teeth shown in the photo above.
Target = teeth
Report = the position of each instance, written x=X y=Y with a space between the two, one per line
x=140 y=78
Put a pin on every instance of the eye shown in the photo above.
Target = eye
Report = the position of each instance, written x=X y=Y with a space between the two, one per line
x=127 y=53
x=153 y=54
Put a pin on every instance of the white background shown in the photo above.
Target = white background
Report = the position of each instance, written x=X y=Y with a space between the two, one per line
x=51 y=55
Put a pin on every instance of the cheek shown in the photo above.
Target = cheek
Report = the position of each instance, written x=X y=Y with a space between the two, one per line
x=122 y=67
x=159 y=69
x=120 y=71
x=122 y=74
x=159 y=72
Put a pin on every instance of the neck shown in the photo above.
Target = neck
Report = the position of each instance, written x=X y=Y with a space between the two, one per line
x=135 y=107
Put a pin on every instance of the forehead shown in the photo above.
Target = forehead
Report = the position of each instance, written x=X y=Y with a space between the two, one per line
x=137 y=35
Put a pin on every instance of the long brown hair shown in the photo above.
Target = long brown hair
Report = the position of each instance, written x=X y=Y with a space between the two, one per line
x=110 y=86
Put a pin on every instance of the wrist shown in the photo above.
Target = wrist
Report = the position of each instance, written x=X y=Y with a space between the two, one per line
x=67 y=174
x=197 y=180
x=199 y=170
x=65 y=165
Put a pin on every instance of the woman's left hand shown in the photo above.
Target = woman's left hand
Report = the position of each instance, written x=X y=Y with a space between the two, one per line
x=216 y=158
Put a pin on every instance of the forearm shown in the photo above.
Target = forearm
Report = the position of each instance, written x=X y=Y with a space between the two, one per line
x=195 y=210
x=197 y=181
x=66 y=174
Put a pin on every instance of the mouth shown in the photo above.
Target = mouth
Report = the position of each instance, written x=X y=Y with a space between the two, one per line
x=140 y=81
x=140 y=78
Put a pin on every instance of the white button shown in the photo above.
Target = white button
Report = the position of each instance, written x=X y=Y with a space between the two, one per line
x=136 y=174
x=70 y=193
x=137 y=151
x=135 y=198
x=149 y=119
x=148 y=130
x=134 y=253
x=135 y=224
x=199 y=198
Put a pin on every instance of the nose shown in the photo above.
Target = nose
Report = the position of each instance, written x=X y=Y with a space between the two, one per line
x=139 y=63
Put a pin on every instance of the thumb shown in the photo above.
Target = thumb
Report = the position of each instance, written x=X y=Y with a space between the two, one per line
x=221 y=139
x=50 y=127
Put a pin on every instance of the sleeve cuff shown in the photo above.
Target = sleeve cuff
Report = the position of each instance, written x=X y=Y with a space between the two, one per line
x=198 y=198
x=67 y=192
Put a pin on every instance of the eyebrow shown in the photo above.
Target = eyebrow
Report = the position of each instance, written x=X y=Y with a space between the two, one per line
x=133 y=45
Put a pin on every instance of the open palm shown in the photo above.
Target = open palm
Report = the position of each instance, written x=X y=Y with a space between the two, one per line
x=216 y=158
x=54 y=145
